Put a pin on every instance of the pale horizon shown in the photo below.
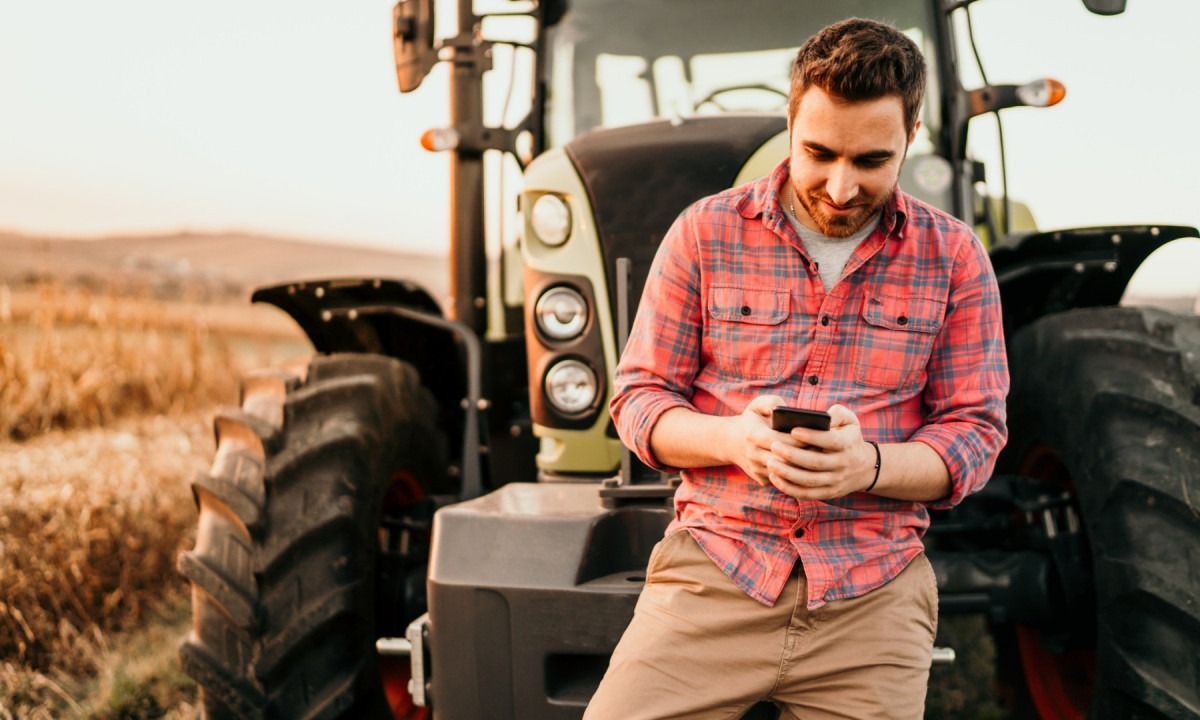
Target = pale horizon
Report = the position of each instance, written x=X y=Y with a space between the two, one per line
x=144 y=117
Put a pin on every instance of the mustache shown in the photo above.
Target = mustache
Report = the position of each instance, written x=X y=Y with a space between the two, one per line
x=856 y=201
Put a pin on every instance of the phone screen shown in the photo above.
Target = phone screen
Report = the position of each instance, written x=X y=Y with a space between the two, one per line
x=783 y=419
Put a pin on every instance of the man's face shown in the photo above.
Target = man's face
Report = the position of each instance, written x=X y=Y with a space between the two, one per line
x=846 y=159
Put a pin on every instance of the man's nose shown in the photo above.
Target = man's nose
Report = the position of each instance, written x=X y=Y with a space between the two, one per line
x=843 y=184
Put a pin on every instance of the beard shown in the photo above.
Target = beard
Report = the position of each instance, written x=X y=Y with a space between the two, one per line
x=861 y=209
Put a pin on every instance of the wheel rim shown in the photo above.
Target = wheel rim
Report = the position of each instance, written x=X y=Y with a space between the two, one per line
x=396 y=674
x=1060 y=682
x=404 y=490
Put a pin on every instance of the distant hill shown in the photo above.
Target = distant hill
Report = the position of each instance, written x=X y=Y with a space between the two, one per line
x=229 y=265
x=222 y=263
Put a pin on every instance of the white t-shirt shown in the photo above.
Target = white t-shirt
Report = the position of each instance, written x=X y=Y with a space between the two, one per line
x=829 y=253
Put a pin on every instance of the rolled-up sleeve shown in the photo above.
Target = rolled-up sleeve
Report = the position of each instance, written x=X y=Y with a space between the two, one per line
x=968 y=378
x=660 y=360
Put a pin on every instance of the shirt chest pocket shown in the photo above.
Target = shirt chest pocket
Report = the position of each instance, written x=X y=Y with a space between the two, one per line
x=747 y=332
x=894 y=340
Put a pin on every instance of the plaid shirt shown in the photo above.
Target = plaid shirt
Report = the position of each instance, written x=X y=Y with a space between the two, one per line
x=910 y=339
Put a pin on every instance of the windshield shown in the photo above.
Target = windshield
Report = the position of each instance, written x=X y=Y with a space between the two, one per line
x=619 y=62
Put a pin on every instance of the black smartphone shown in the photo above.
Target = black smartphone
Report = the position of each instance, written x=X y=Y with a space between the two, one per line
x=783 y=419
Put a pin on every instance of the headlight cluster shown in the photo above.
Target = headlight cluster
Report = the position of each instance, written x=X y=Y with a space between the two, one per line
x=561 y=313
x=571 y=386
x=550 y=219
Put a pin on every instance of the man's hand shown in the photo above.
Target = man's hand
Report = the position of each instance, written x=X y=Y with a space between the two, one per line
x=819 y=464
x=753 y=438
x=685 y=438
x=806 y=464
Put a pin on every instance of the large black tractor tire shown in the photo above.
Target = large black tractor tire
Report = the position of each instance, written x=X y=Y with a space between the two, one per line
x=287 y=601
x=1105 y=406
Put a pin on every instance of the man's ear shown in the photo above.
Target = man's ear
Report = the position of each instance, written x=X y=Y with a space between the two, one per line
x=912 y=136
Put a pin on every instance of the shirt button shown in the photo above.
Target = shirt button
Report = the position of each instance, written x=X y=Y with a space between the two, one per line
x=746 y=310
x=813 y=380
x=798 y=532
x=902 y=320
x=824 y=319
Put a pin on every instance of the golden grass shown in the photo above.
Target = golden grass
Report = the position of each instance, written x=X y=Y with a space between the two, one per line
x=105 y=419
x=92 y=523
x=71 y=359
x=136 y=676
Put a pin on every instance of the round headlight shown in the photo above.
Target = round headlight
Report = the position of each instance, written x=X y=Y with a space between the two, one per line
x=561 y=313
x=571 y=387
x=551 y=219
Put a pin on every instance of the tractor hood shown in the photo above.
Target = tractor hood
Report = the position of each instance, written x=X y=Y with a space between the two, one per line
x=639 y=178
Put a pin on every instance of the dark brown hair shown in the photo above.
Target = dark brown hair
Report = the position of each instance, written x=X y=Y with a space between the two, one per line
x=857 y=60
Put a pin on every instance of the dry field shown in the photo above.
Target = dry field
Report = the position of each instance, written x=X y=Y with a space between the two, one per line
x=105 y=410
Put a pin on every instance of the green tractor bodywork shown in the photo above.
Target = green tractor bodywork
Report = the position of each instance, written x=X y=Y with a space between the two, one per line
x=516 y=592
x=581 y=444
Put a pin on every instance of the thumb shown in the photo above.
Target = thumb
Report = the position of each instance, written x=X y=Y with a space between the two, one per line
x=764 y=404
x=840 y=415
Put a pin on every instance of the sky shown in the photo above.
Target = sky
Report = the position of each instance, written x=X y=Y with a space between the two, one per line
x=284 y=118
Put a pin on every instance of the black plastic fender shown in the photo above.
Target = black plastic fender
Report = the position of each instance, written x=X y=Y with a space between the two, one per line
x=311 y=304
x=1040 y=273
x=399 y=319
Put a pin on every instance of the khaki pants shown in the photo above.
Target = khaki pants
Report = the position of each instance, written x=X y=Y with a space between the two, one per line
x=698 y=647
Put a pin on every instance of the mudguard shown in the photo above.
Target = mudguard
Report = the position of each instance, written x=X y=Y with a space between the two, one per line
x=399 y=319
x=1040 y=273
x=312 y=304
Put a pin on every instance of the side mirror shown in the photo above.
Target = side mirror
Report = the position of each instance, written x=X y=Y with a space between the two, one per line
x=412 y=28
x=1105 y=7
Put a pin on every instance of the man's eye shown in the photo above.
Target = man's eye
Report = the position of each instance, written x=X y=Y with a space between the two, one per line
x=871 y=163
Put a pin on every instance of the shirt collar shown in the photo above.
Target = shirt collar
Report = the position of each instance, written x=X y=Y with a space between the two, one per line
x=765 y=197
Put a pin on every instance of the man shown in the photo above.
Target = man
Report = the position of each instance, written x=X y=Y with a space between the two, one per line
x=793 y=571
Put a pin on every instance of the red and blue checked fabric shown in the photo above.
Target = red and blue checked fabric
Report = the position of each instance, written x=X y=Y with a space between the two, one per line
x=910 y=339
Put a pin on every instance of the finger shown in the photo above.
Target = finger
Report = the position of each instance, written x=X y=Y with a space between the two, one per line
x=799 y=491
x=797 y=477
x=840 y=415
x=762 y=471
x=804 y=485
x=764 y=404
x=783 y=486
x=812 y=438
x=803 y=457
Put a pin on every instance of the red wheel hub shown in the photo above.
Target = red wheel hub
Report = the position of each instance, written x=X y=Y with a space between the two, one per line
x=396 y=674
x=405 y=490
x=1060 y=682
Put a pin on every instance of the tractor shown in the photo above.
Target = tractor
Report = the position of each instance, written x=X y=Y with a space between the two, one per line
x=433 y=516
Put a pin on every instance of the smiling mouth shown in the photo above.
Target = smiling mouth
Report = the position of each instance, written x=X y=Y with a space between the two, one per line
x=841 y=208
